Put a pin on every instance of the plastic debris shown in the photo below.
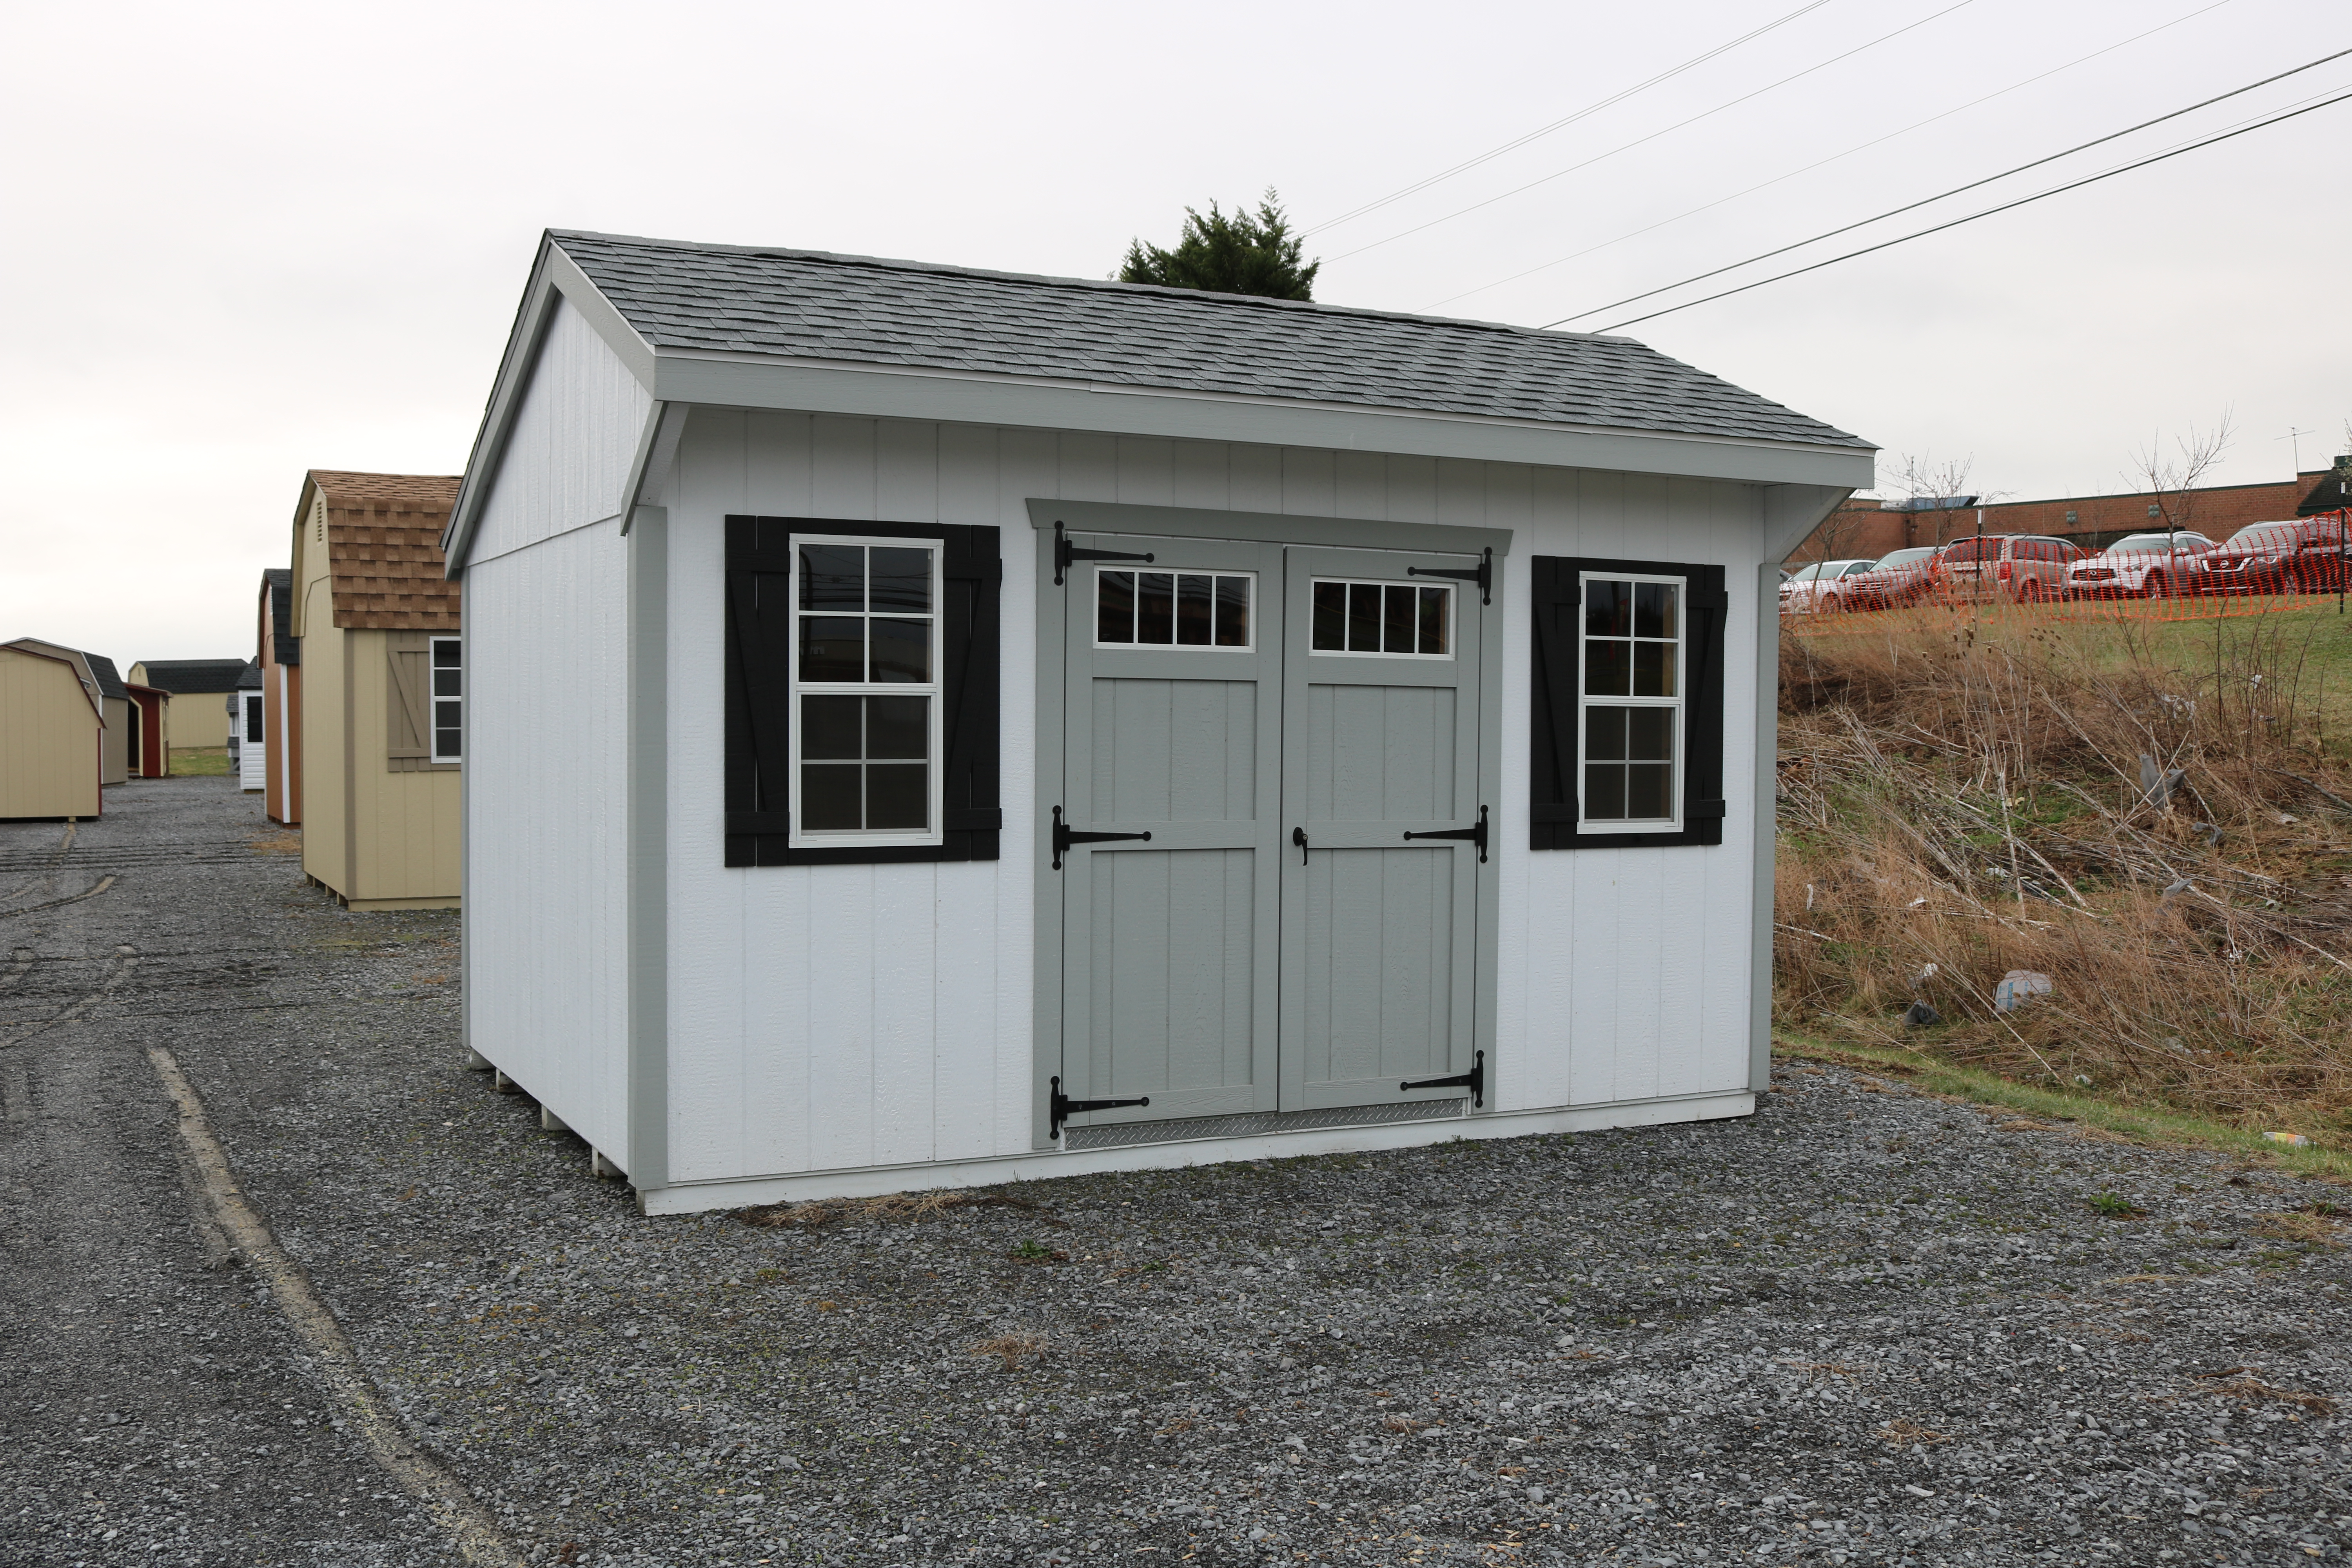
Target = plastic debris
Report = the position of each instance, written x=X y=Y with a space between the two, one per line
x=2292 y=1140
x=1920 y=980
x=1919 y=1016
x=2017 y=987
x=2157 y=786
x=2183 y=886
x=1915 y=904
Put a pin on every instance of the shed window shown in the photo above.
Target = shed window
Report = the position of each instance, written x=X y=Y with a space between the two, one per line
x=861 y=696
x=1173 y=609
x=253 y=718
x=1383 y=620
x=1628 y=703
x=448 y=699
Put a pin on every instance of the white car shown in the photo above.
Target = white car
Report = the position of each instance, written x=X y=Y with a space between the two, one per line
x=2143 y=565
x=1814 y=587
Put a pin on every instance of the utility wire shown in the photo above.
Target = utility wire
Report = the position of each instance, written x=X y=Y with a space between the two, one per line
x=1809 y=168
x=1652 y=136
x=2006 y=206
x=1956 y=190
x=1590 y=108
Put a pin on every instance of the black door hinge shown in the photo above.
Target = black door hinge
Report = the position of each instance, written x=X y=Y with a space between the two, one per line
x=1063 y=837
x=1483 y=574
x=1474 y=1080
x=1065 y=552
x=1060 y=1107
x=1473 y=835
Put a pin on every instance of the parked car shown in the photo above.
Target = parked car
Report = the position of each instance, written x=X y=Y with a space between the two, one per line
x=2020 y=566
x=2289 y=557
x=1815 y=587
x=2152 y=565
x=1905 y=577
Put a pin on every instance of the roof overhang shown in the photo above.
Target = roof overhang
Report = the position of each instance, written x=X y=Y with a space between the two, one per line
x=682 y=379
x=84 y=676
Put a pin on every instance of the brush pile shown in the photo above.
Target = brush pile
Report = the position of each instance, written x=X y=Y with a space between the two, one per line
x=2157 y=818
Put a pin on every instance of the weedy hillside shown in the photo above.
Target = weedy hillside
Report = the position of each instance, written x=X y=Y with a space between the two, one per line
x=2155 y=813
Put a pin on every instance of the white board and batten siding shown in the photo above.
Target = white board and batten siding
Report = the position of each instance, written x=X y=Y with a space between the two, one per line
x=879 y=1019
x=546 y=725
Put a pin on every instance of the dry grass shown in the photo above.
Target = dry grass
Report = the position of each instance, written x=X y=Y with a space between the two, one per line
x=1013 y=1348
x=908 y=1207
x=1903 y=1432
x=2234 y=1383
x=1964 y=791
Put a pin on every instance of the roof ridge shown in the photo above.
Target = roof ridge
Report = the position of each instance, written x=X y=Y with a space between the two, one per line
x=1101 y=285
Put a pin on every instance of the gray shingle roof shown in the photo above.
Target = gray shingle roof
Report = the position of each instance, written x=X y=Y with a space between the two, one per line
x=801 y=304
x=110 y=680
x=185 y=676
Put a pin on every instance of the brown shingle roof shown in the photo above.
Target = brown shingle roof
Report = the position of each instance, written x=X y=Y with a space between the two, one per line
x=383 y=549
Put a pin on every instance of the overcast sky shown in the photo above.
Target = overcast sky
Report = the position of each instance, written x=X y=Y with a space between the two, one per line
x=246 y=240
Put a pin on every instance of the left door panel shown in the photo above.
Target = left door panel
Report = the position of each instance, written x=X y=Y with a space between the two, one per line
x=1172 y=727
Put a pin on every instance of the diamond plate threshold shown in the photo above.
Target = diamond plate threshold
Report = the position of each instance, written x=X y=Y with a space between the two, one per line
x=1119 y=1135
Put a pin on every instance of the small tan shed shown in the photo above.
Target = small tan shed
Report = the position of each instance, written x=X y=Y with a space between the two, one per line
x=376 y=625
x=53 y=716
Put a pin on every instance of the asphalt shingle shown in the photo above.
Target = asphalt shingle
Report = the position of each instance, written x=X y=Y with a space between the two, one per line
x=800 y=304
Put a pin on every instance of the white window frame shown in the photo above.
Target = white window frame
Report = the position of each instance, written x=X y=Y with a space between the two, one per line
x=1679 y=702
x=935 y=765
x=1453 y=625
x=1093 y=608
x=432 y=728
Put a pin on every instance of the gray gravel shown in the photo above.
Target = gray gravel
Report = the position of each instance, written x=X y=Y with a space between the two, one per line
x=1864 y=1326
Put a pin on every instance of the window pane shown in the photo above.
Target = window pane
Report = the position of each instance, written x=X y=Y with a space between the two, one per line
x=1193 y=608
x=1155 y=619
x=1653 y=608
x=1114 y=607
x=901 y=580
x=1331 y=616
x=829 y=728
x=902 y=650
x=833 y=577
x=445 y=682
x=829 y=796
x=445 y=653
x=1363 y=618
x=833 y=647
x=1233 y=612
x=896 y=796
x=1604 y=734
x=1397 y=618
x=445 y=745
x=1607 y=668
x=1648 y=791
x=1650 y=735
x=1604 y=791
x=1434 y=601
x=1653 y=669
x=1607 y=609
x=896 y=727
x=445 y=717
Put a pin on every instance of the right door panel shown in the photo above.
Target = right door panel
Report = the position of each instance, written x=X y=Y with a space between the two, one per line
x=1381 y=673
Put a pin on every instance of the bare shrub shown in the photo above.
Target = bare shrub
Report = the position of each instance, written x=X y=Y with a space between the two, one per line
x=1964 y=794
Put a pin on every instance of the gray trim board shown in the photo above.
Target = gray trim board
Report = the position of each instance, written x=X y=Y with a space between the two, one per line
x=1263 y=527
x=1792 y=512
x=647 y=833
x=1767 y=788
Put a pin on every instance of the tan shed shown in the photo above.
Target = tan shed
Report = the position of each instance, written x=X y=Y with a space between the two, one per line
x=53 y=715
x=203 y=687
x=376 y=624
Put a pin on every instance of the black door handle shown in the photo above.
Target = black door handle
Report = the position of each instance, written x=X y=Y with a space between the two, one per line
x=1063 y=837
x=1298 y=836
x=1470 y=835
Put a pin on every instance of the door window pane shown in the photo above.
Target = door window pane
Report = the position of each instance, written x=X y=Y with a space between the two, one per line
x=1115 y=607
x=1233 y=612
x=1399 y=618
x=1155 y=612
x=1363 y=618
x=1330 y=617
x=1435 y=603
x=1195 y=608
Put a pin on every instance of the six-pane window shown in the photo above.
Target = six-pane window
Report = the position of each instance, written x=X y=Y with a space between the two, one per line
x=448 y=699
x=1633 y=699
x=1173 y=609
x=1393 y=620
x=866 y=689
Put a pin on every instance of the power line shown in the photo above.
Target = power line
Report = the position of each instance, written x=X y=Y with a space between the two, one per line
x=1809 y=168
x=1652 y=136
x=1541 y=132
x=2005 y=206
x=1956 y=190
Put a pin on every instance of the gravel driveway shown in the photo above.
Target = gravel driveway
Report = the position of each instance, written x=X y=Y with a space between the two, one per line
x=1863 y=1327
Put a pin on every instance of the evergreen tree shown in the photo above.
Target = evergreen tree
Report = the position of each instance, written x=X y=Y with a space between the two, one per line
x=1248 y=253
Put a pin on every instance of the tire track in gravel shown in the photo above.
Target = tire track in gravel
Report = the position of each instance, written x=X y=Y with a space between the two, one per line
x=56 y=861
x=435 y=1488
x=103 y=883
x=126 y=958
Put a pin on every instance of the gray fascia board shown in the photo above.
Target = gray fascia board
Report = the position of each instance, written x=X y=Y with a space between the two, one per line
x=1792 y=512
x=554 y=275
x=889 y=393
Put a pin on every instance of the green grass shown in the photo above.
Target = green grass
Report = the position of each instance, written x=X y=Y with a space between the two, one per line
x=200 y=762
x=2133 y=1123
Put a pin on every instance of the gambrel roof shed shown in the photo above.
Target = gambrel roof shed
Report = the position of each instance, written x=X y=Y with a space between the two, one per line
x=927 y=725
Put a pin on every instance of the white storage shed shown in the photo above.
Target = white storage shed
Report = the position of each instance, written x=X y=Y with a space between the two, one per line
x=931 y=726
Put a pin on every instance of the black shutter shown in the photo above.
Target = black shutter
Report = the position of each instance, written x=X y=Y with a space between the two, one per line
x=1559 y=676
x=759 y=692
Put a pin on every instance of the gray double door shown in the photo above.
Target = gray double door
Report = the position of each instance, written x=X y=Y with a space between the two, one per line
x=1279 y=719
